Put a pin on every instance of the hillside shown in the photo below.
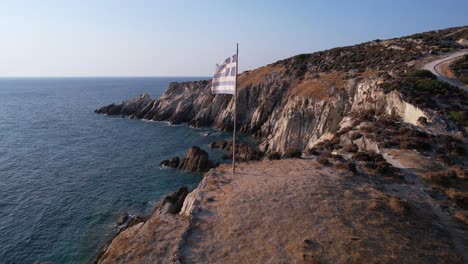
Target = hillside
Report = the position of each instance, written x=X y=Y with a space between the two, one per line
x=381 y=139
x=311 y=94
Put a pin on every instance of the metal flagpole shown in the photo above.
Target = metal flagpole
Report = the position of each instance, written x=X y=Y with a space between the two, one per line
x=235 y=115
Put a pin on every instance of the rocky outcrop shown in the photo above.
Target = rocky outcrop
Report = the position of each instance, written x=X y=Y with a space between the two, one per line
x=173 y=202
x=196 y=160
x=146 y=239
x=243 y=151
x=128 y=107
x=172 y=163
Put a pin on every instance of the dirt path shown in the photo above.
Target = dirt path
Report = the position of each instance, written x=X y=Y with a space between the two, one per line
x=435 y=68
x=298 y=211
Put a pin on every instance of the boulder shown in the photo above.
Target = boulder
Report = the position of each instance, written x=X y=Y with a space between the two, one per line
x=172 y=163
x=173 y=202
x=196 y=160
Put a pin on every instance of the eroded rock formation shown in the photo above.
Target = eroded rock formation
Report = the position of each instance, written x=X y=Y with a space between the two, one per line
x=196 y=160
x=271 y=112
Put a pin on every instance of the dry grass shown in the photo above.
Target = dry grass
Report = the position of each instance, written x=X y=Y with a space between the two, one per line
x=462 y=173
x=459 y=197
x=319 y=87
x=370 y=74
x=454 y=176
x=375 y=205
x=445 y=69
x=443 y=178
x=294 y=211
x=398 y=205
x=462 y=216
x=289 y=211
x=258 y=75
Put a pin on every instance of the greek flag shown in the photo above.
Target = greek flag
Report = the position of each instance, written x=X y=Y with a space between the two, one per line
x=224 y=79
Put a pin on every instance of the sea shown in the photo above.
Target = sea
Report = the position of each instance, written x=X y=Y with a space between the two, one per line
x=67 y=174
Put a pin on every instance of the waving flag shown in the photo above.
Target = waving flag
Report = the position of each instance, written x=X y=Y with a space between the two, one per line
x=224 y=79
x=225 y=82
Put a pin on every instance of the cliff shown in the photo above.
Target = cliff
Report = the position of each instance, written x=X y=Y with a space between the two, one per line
x=295 y=102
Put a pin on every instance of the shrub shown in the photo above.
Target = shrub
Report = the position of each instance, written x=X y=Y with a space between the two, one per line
x=323 y=160
x=349 y=165
x=433 y=86
x=352 y=148
x=461 y=173
x=422 y=74
x=462 y=216
x=355 y=136
x=337 y=157
x=368 y=156
x=459 y=197
x=390 y=143
x=312 y=151
x=343 y=131
x=444 y=178
x=375 y=205
x=422 y=89
x=292 y=153
x=422 y=120
x=273 y=156
x=460 y=117
x=460 y=68
x=415 y=143
x=398 y=205
x=451 y=149
x=362 y=156
x=335 y=141
x=384 y=168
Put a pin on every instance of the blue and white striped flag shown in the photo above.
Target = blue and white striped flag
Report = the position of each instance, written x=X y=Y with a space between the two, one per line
x=224 y=79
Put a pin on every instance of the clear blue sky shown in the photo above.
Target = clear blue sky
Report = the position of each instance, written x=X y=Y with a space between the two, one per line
x=187 y=38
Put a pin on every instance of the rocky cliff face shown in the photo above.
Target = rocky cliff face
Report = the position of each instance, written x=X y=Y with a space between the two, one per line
x=297 y=102
x=270 y=112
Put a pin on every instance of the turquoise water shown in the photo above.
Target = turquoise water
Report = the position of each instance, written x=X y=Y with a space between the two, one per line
x=67 y=174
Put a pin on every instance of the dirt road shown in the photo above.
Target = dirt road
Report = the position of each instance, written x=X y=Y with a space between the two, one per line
x=434 y=67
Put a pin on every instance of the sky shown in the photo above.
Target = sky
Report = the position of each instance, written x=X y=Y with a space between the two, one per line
x=60 y=38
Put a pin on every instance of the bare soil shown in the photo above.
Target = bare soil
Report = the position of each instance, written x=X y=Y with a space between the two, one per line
x=297 y=211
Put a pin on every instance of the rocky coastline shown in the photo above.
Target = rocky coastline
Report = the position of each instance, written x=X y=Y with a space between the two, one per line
x=365 y=129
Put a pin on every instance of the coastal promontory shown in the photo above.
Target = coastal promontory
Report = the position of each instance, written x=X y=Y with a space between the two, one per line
x=361 y=157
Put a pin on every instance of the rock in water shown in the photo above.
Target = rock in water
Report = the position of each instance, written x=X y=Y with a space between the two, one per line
x=172 y=163
x=196 y=160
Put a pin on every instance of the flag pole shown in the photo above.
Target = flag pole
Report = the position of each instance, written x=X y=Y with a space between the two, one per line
x=235 y=115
